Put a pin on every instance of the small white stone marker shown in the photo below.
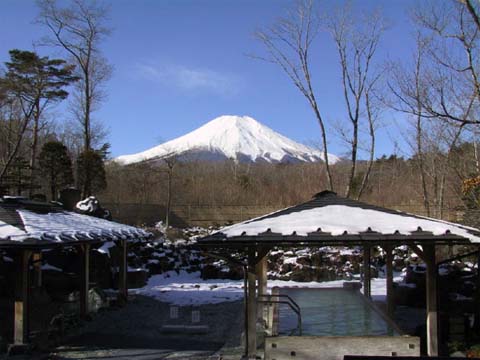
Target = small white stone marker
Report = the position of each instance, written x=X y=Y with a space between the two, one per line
x=195 y=316
x=173 y=312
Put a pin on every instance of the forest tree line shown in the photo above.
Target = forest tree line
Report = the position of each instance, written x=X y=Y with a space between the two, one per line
x=38 y=154
x=394 y=181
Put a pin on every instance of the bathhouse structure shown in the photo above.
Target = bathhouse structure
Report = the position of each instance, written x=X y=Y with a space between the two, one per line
x=28 y=229
x=331 y=220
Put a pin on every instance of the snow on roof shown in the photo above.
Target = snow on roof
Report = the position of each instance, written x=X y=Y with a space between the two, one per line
x=46 y=223
x=7 y=230
x=329 y=213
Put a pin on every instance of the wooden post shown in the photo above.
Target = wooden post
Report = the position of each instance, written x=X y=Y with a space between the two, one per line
x=20 y=332
x=252 y=306
x=245 y=305
x=432 y=316
x=84 y=278
x=37 y=265
x=122 y=275
x=389 y=275
x=366 y=271
x=261 y=270
x=477 y=297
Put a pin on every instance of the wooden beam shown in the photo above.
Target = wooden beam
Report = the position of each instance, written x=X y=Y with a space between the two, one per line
x=389 y=275
x=252 y=306
x=261 y=273
x=122 y=275
x=84 y=278
x=432 y=316
x=20 y=332
x=366 y=271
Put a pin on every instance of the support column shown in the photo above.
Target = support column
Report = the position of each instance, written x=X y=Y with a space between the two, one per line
x=389 y=275
x=122 y=276
x=20 y=332
x=37 y=266
x=477 y=297
x=432 y=316
x=261 y=270
x=252 y=306
x=245 y=307
x=84 y=278
x=366 y=270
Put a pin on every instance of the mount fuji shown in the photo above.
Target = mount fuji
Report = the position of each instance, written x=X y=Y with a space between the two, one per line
x=240 y=138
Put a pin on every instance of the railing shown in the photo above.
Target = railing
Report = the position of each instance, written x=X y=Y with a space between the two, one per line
x=278 y=299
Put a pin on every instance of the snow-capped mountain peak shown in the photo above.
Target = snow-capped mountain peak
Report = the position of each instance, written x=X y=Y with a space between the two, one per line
x=240 y=138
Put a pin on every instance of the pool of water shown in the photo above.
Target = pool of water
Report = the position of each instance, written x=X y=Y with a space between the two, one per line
x=333 y=312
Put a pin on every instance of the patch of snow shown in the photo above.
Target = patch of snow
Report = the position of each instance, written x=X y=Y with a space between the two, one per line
x=90 y=204
x=104 y=249
x=458 y=297
x=291 y=260
x=160 y=226
x=190 y=289
x=51 y=267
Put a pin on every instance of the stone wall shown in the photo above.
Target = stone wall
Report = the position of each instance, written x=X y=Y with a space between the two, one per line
x=335 y=347
x=211 y=215
x=185 y=215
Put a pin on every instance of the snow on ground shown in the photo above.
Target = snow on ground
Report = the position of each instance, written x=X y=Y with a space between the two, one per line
x=190 y=289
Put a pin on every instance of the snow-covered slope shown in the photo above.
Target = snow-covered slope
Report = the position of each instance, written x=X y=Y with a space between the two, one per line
x=241 y=138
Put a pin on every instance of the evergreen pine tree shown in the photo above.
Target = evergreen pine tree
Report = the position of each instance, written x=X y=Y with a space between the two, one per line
x=91 y=171
x=55 y=166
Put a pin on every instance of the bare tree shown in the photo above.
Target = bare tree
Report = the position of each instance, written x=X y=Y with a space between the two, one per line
x=288 y=43
x=357 y=40
x=79 y=30
x=473 y=10
x=453 y=89
x=409 y=89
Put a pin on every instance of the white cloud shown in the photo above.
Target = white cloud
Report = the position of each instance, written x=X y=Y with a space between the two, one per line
x=190 y=79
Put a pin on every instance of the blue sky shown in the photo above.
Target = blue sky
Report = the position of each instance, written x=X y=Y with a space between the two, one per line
x=178 y=64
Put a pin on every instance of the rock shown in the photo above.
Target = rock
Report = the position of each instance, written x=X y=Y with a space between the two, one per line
x=96 y=300
x=136 y=279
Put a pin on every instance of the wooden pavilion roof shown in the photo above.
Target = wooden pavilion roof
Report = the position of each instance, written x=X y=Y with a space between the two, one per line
x=329 y=219
x=25 y=223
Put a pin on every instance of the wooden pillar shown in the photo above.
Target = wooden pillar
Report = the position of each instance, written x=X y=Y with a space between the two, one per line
x=252 y=306
x=20 y=332
x=122 y=275
x=261 y=270
x=389 y=275
x=366 y=270
x=84 y=278
x=477 y=297
x=432 y=316
x=37 y=266
x=245 y=307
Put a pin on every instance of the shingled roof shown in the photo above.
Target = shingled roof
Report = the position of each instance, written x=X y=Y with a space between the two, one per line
x=29 y=223
x=329 y=218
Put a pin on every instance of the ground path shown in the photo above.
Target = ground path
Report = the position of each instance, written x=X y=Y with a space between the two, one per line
x=135 y=332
